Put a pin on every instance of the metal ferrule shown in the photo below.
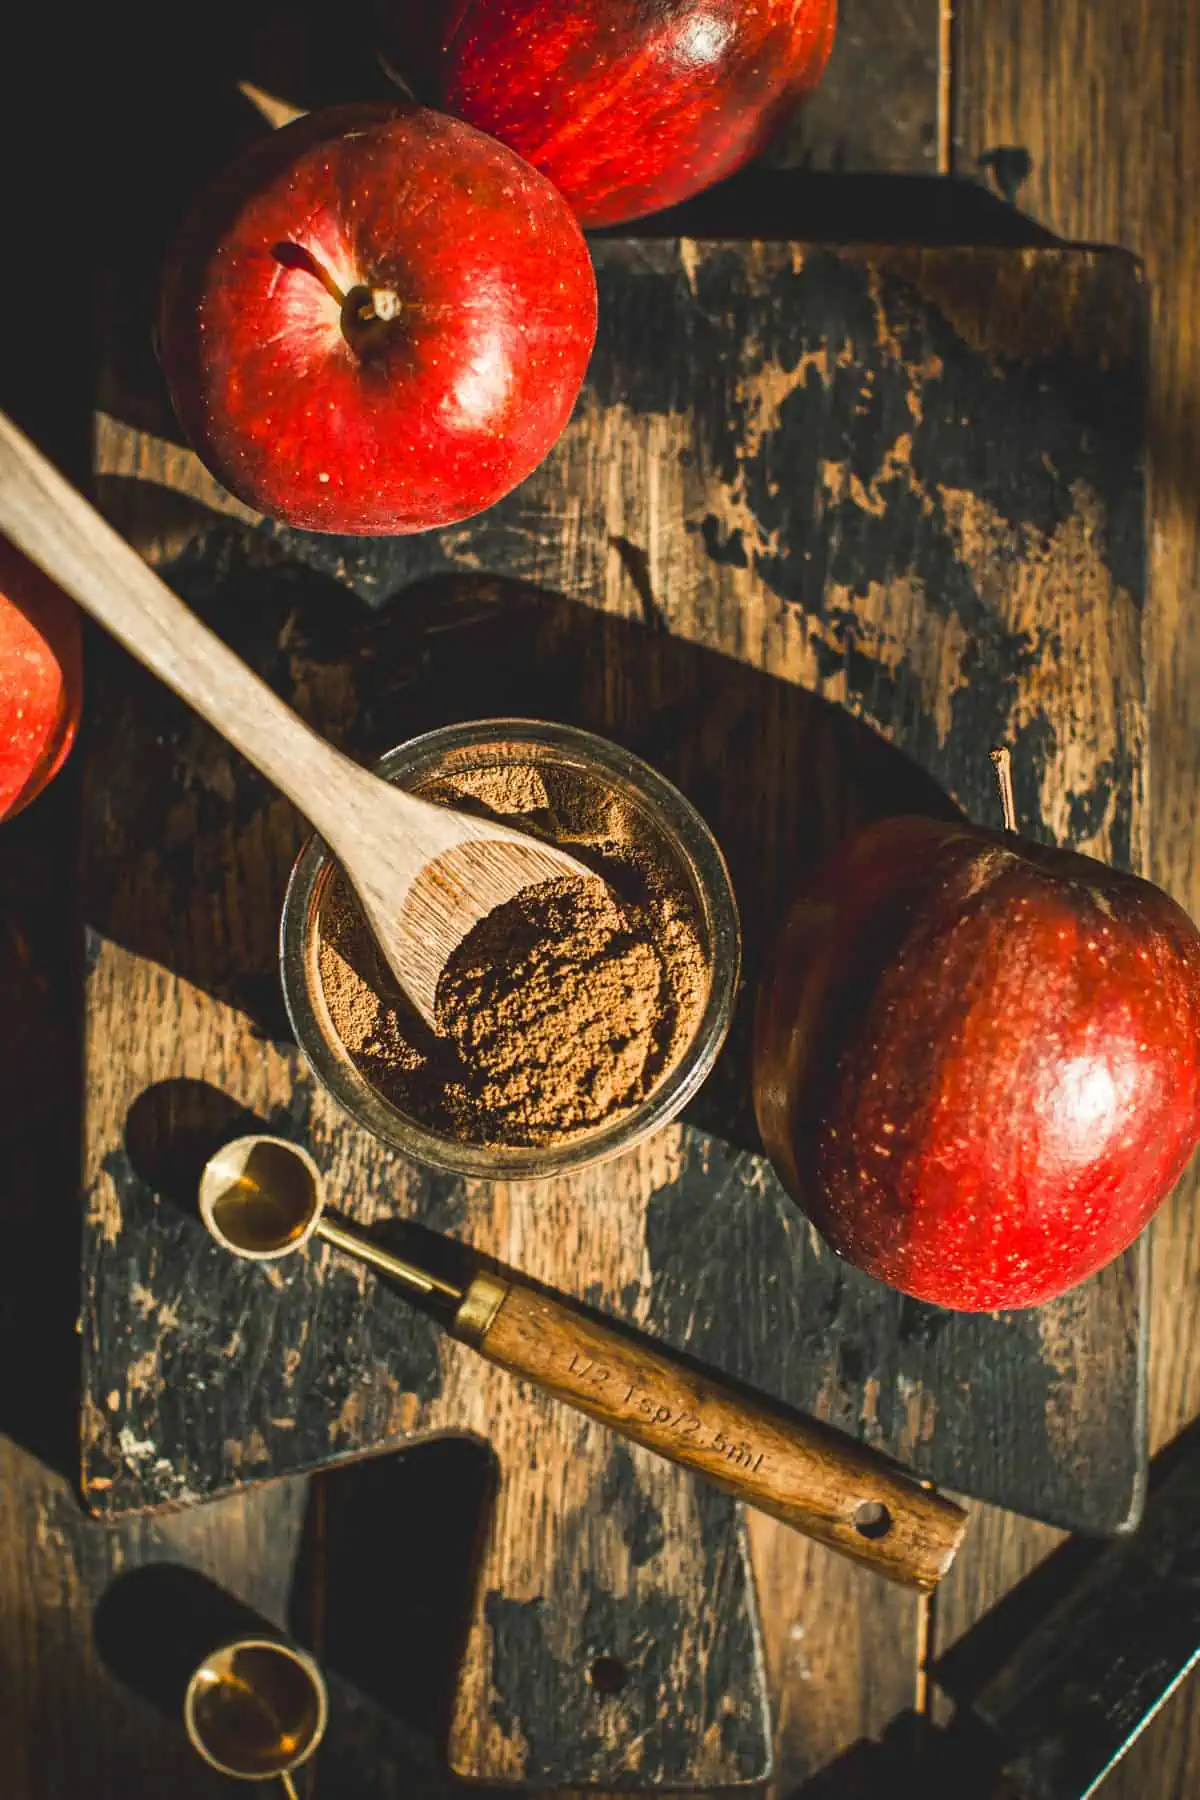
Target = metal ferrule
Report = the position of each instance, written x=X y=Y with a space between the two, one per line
x=477 y=1314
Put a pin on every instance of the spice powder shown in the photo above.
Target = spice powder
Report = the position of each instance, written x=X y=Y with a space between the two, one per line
x=562 y=1010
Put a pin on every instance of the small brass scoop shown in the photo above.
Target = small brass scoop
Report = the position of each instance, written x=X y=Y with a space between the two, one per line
x=262 y=1198
x=257 y=1709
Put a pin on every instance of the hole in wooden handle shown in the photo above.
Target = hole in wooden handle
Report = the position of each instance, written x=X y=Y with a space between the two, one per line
x=872 y=1519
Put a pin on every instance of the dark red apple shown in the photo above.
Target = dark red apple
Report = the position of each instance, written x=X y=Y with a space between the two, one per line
x=977 y=1060
x=377 y=322
x=627 y=105
x=41 y=679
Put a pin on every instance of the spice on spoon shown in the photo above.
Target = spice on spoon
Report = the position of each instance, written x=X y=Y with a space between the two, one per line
x=562 y=1010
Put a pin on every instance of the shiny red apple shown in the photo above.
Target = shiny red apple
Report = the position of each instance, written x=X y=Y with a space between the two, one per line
x=377 y=322
x=627 y=105
x=977 y=1060
x=41 y=679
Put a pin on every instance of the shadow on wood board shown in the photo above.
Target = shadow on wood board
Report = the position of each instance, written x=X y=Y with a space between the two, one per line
x=462 y=647
x=155 y=1624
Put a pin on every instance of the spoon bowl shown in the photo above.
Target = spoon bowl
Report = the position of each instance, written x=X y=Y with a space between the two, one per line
x=256 y=1709
x=426 y=875
x=261 y=1197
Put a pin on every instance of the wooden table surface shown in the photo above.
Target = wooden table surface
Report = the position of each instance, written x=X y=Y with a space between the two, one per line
x=1088 y=113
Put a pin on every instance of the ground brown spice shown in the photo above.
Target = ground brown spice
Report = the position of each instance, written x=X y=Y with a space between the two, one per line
x=559 y=1012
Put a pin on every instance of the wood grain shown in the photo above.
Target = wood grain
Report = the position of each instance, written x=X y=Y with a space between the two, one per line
x=1114 y=159
x=1091 y=114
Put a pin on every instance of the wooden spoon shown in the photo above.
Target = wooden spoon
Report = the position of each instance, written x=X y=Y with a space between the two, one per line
x=424 y=874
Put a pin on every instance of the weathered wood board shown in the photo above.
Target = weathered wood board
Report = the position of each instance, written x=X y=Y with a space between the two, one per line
x=826 y=527
x=1092 y=115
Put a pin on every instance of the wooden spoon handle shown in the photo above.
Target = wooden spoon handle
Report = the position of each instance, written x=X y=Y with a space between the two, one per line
x=54 y=525
x=792 y=1467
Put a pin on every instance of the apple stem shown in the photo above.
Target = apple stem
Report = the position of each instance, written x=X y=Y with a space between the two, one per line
x=393 y=74
x=270 y=107
x=295 y=256
x=1002 y=763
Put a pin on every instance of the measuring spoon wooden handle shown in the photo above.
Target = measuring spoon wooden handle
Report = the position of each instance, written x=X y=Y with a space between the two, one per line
x=789 y=1466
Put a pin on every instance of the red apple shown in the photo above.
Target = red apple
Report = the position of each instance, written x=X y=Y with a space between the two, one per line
x=41 y=679
x=377 y=322
x=977 y=1060
x=627 y=105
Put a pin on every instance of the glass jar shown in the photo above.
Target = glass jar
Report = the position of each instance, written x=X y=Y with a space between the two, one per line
x=682 y=840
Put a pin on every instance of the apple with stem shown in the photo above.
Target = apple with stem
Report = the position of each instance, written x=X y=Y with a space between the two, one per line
x=377 y=322
x=977 y=1059
x=628 y=106
x=41 y=680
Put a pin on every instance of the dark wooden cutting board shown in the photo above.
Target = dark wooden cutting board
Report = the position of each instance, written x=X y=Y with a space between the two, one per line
x=827 y=526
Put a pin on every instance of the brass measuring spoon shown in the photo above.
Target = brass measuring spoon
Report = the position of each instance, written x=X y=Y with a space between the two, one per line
x=256 y=1709
x=263 y=1197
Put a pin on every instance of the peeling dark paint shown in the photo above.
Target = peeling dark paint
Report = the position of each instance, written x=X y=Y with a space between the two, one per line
x=747 y=1294
x=691 y=1667
x=640 y=1522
